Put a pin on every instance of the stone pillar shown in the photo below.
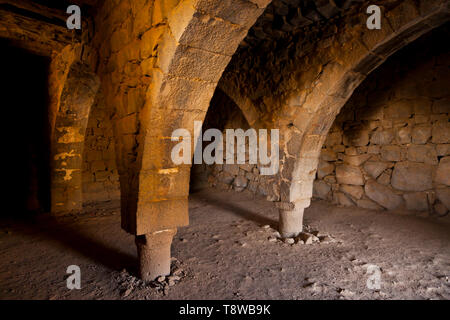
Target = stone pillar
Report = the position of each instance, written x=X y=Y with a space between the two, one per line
x=154 y=254
x=291 y=222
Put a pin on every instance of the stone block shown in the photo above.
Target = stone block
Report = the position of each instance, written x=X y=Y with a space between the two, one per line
x=412 y=176
x=324 y=169
x=421 y=134
x=382 y=137
x=392 y=153
x=423 y=153
x=343 y=200
x=443 y=171
x=356 y=138
x=346 y=174
x=383 y=195
x=375 y=168
x=443 y=150
x=356 y=160
x=401 y=109
x=403 y=135
x=328 y=155
x=443 y=194
x=321 y=190
x=356 y=192
x=441 y=132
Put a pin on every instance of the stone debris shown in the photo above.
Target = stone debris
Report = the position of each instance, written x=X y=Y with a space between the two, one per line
x=289 y=241
x=307 y=238
x=129 y=283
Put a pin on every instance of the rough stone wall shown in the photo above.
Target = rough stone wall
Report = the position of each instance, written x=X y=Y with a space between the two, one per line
x=100 y=176
x=303 y=77
x=390 y=145
x=395 y=122
x=225 y=114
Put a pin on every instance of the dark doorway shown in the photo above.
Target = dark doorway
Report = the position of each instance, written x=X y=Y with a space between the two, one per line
x=25 y=130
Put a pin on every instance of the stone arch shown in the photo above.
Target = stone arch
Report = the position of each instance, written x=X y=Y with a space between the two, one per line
x=160 y=65
x=192 y=54
x=246 y=105
x=337 y=81
x=78 y=92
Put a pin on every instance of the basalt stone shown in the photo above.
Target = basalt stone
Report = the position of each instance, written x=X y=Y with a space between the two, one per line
x=356 y=138
x=382 y=137
x=356 y=160
x=441 y=132
x=375 y=168
x=391 y=153
x=346 y=174
x=443 y=171
x=421 y=134
x=412 y=176
x=383 y=195
x=443 y=194
x=324 y=169
x=422 y=153
x=321 y=190
x=356 y=192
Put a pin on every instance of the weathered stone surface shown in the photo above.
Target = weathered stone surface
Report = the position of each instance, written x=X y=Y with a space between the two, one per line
x=328 y=155
x=356 y=160
x=240 y=183
x=416 y=201
x=384 y=179
x=399 y=109
x=441 y=106
x=403 y=135
x=346 y=174
x=321 y=190
x=325 y=168
x=356 y=138
x=392 y=153
x=441 y=132
x=440 y=209
x=382 y=137
x=231 y=169
x=412 y=176
x=422 y=153
x=443 y=150
x=375 y=168
x=344 y=200
x=333 y=139
x=443 y=194
x=443 y=171
x=356 y=192
x=382 y=195
x=421 y=134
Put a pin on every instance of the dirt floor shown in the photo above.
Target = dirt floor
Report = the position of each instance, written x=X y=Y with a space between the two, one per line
x=225 y=253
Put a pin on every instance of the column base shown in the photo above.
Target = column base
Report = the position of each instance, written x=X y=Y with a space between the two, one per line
x=291 y=223
x=154 y=254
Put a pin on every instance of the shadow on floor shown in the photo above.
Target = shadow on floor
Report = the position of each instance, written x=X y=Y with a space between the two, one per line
x=234 y=208
x=66 y=234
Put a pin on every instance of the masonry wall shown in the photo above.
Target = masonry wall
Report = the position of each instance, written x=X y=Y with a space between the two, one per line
x=389 y=147
x=225 y=114
x=100 y=176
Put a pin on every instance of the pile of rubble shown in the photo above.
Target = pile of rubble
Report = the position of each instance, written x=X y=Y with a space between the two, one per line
x=129 y=283
x=308 y=236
